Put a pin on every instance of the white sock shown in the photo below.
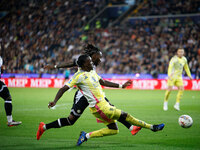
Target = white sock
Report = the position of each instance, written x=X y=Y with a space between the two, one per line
x=87 y=135
x=165 y=103
x=44 y=127
x=151 y=127
x=131 y=128
x=9 y=118
x=177 y=104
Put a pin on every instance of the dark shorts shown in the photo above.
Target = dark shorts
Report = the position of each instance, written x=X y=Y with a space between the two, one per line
x=4 y=92
x=66 y=78
x=80 y=104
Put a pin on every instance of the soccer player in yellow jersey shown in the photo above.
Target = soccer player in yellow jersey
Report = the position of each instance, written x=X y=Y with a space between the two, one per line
x=175 y=69
x=87 y=80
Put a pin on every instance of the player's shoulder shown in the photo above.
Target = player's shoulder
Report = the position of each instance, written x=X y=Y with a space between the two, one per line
x=184 y=58
x=78 y=74
x=174 y=59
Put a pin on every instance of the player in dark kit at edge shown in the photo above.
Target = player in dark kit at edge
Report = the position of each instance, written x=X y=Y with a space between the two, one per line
x=5 y=94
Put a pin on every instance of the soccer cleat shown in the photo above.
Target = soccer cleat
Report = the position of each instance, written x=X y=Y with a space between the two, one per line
x=82 y=138
x=158 y=127
x=165 y=106
x=177 y=107
x=135 y=130
x=40 y=130
x=14 y=123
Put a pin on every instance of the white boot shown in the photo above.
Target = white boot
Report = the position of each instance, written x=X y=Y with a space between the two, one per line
x=177 y=106
x=165 y=106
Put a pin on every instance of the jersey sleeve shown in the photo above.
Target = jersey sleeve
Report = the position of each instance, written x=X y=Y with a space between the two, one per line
x=171 y=64
x=1 y=61
x=98 y=76
x=186 y=67
x=73 y=81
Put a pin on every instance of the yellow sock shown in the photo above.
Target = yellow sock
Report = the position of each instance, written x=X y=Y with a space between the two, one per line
x=167 y=93
x=137 y=122
x=103 y=132
x=179 y=96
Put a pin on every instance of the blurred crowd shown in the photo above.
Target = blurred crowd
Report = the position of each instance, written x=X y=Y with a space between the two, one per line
x=168 y=7
x=52 y=32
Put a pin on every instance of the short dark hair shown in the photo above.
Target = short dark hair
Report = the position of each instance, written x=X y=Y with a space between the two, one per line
x=90 y=49
x=81 y=60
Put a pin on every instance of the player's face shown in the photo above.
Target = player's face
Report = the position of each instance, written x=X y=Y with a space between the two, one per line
x=180 y=52
x=88 y=64
x=96 y=58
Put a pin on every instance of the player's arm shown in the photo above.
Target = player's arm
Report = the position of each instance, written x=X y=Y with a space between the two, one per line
x=169 y=72
x=2 y=68
x=58 y=95
x=114 y=85
x=62 y=90
x=187 y=70
x=63 y=65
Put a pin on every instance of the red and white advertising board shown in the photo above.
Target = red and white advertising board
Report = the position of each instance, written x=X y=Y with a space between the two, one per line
x=141 y=84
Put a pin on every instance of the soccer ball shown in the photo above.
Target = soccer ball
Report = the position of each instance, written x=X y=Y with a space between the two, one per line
x=185 y=121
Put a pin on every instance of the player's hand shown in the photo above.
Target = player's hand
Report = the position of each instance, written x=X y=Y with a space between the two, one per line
x=190 y=78
x=51 y=104
x=127 y=83
x=3 y=68
x=49 y=67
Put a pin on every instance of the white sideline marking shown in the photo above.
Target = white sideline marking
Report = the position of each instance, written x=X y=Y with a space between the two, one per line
x=60 y=106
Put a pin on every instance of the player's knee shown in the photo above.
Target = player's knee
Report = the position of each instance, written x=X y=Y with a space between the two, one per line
x=115 y=131
x=66 y=122
x=169 y=88
x=72 y=121
x=111 y=132
x=181 y=88
x=9 y=98
x=113 y=126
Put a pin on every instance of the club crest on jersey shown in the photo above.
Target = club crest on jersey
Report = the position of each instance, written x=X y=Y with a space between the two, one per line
x=70 y=81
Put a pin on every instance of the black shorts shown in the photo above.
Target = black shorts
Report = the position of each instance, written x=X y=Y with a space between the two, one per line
x=81 y=103
x=66 y=78
x=4 y=92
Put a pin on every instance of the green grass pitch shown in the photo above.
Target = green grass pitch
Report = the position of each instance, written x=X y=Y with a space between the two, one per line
x=30 y=107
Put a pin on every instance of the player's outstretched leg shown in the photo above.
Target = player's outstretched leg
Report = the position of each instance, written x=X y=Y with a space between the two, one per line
x=69 y=121
x=99 y=133
x=133 y=129
x=141 y=123
x=111 y=130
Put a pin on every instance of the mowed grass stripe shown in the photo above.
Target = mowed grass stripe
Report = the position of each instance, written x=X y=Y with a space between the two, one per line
x=30 y=106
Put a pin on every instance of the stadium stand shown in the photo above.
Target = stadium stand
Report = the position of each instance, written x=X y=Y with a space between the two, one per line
x=54 y=31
